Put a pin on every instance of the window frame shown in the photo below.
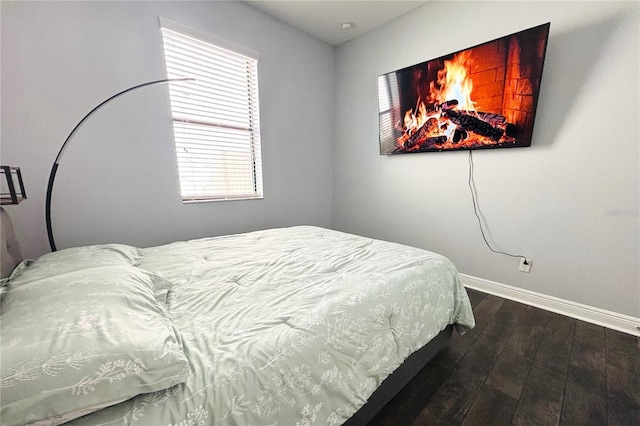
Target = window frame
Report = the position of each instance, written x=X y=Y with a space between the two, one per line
x=253 y=112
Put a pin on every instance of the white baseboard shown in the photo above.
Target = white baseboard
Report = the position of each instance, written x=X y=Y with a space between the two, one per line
x=602 y=317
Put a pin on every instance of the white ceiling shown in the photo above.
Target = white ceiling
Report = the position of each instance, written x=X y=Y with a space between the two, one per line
x=323 y=18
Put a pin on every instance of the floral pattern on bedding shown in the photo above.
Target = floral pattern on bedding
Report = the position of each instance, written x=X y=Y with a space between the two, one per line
x=82 y=339
x=291 y=326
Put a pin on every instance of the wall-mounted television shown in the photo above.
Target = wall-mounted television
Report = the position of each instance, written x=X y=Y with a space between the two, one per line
x=481 y=97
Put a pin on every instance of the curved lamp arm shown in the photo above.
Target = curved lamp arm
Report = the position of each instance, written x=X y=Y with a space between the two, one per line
x=54 y=168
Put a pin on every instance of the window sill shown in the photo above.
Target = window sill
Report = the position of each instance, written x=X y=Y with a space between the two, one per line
x=208 y=200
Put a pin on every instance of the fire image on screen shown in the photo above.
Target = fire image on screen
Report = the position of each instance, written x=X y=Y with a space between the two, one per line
x=481 y=97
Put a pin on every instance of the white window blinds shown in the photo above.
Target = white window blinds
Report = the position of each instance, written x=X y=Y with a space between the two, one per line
x=215 y=119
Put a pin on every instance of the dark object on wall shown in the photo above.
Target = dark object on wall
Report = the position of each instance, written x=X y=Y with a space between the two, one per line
x=12 y=186
x=54 y=168
x=481 y=97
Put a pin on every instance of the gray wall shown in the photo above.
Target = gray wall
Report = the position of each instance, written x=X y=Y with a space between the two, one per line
x=569 y=202
x=117 y=181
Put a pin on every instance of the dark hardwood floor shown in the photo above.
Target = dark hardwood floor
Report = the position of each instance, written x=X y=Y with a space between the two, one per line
x=524 y=366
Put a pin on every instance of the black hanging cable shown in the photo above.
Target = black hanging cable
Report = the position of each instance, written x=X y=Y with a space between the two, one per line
x=476 y=208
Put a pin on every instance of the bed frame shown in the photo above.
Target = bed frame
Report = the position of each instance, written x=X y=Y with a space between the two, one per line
x=399 y=378
x=11 y=256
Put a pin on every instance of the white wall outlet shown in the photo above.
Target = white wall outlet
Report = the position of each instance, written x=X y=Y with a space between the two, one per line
x=525 y=267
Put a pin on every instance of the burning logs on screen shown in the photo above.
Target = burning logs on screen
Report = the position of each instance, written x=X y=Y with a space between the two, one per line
x=443 y=123
x=469 y=123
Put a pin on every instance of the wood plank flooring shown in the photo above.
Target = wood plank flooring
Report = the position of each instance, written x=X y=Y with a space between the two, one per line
x=524 y=366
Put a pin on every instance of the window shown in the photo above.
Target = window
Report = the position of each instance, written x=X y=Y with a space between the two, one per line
x=215 y=118
x=388 y=96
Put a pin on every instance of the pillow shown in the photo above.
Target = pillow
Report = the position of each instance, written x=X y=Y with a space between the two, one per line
x=74 y=259
x=76 y=342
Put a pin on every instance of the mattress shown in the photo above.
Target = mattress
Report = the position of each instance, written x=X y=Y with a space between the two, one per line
x=289 y=326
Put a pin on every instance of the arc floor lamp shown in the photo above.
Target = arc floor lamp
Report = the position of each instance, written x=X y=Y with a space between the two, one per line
x=54 y=168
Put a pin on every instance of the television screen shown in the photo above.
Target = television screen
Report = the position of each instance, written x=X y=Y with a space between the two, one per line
x=481 y=97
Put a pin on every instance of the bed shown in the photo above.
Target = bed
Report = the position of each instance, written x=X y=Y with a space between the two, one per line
x=289 y=326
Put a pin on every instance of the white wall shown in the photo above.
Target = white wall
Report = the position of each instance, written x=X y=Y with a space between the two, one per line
x=117 y=180
x=569 y=202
